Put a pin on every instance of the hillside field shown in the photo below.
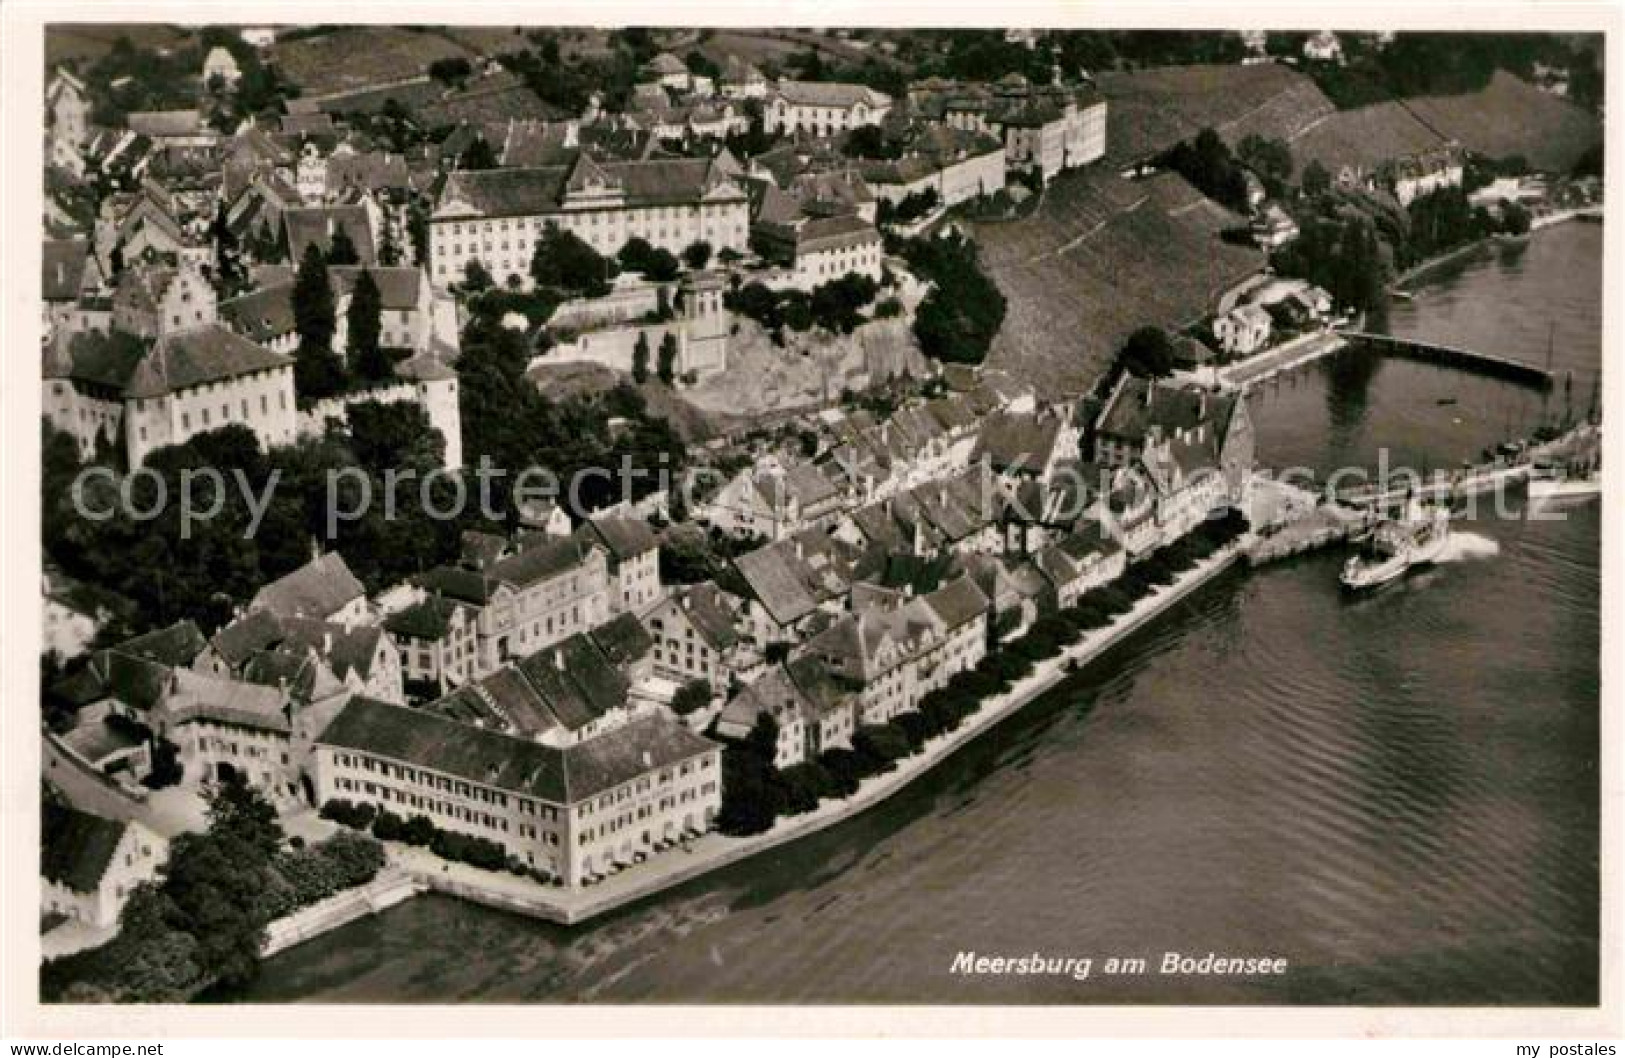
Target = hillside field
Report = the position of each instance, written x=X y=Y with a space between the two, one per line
x=1149 y=111
x=1101 y=257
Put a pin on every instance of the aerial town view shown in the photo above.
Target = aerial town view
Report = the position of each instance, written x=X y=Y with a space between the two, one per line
x=539 y=515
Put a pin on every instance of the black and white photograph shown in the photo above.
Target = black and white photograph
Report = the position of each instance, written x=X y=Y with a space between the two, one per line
x=554 y=514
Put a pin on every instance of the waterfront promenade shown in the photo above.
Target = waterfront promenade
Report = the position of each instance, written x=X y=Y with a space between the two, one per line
x=713 y=851
x=1287 y=356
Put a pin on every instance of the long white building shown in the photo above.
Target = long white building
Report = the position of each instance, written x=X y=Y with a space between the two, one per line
x=575 y=812
x=497 y=216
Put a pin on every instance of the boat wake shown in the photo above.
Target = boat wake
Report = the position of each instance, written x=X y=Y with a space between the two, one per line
x=1465 y=547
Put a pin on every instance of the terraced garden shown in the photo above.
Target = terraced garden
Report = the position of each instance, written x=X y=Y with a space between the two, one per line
x=1151 y=110
x=1505 y=118
x=355 y=58
x=1101 y=257
x=1512 y=117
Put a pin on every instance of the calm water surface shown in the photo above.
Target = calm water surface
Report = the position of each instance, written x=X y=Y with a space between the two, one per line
x=1398 y=794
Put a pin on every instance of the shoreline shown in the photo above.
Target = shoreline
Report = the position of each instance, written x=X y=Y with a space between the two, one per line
x=1536 y=224
x=715 y=851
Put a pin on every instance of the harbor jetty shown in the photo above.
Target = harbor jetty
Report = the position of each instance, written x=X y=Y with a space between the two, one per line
x=1298 y=352
x=1290 y=520
x=1454 y=356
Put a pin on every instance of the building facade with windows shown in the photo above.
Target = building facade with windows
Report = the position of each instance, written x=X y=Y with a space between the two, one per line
x=578 y=812
x=90 y=865
x=545 y=592
x=498 y=216
x=184 y=384
x=822 y=108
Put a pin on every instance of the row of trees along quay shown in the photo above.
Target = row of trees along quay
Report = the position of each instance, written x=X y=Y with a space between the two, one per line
x=755 y=793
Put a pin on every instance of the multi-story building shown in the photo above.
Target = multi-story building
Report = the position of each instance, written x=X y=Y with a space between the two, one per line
x=578 y=812
x=89 y=865
x=405 y=317
x=498 y=216
x=436 y=637
x=71 y=283
x=547 y=591
x=226 y=727
x=957 y=165
x=1244 y=329
x=67 y=122
x=149 y=302
x=814 y=250
x=893 y=653
x=1180 y=453
x=1081 y=561
x=307 y=226
x=633 y=560
x=774 y=501
x=822 y=108
x=187 y=382
x=741 y=80
x=1423 y=173
x=696 y=636
x=785 y=586
x=773 y=694
x=326 y=656
x=1044 y=128
x=322 y=589
x=578 y=689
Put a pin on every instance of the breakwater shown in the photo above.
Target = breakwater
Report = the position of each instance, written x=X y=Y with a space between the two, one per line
x=1504 y=367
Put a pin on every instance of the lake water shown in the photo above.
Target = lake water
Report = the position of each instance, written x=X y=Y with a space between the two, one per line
x=1398 y=795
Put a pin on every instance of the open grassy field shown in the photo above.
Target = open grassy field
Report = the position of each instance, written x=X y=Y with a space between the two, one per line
x=1101 y=257
x=776 y=46
x=358 y=57
x=85 y=42
x=1510 y=117
x=1151 y=110
x=1363 y=138
x=1506 y=117
x=489 y=41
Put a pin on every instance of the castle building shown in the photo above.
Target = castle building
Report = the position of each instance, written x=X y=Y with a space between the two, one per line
x=108 y=388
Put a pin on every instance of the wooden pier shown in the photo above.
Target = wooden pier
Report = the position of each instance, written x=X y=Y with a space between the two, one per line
x=1484 y=363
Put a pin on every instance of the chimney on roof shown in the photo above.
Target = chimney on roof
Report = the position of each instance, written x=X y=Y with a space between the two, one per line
x=558 y=660
x=327 y=641
x=648 y=761
x=1149 y=385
